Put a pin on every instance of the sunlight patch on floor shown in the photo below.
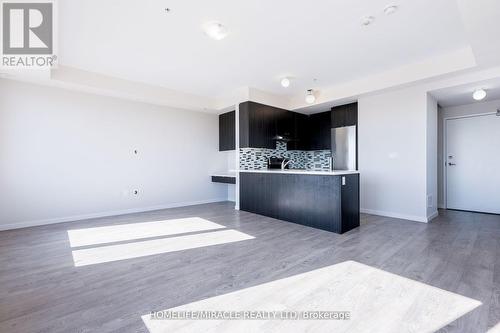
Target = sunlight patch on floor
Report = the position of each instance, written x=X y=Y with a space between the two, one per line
x=133 y=231
x=110 y=253
x=378 y=301
x=494 y=329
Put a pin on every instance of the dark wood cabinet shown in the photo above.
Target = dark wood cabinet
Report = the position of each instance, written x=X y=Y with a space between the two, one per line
x=338 y=116
x=349 y=191
x=261 y=124
x=224 y=179
x=300 y=138
x=284 y=123
x=351 y=118
x=324 y=202
x=227 y=131
x=257 y=125
x=320 y=131
x=345 y=115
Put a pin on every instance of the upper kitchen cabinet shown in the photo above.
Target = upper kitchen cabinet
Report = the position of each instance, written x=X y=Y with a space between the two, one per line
x=320 y=131
x=227 y=131
x=260 y=125
x=345 y=115
x=284 y=124
x=300 y=139
x=257 y=126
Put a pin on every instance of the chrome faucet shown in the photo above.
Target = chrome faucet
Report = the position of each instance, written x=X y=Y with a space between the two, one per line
x=284 y=164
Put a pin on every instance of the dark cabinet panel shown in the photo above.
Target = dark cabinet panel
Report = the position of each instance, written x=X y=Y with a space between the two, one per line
x=339 y=114
x=351 y=114
x=345 y=115
x=350 y=202
x=227 y=131
x=258 y=125
x=320 y=131
x=324 y=202
x=224 y=180
x=261 y=126
x=284 y=123
x=300 y=138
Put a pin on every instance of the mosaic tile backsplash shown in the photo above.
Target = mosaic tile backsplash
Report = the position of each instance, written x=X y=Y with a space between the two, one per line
x=256 y=158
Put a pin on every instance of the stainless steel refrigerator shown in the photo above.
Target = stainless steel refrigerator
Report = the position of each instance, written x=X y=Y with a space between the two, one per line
x=344 y=148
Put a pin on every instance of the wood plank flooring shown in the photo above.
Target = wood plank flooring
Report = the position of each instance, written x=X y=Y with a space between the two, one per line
x=41 y=290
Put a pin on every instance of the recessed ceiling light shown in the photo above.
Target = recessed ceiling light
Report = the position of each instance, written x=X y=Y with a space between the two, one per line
x=367 y=20
x=310 y=98
x=390 y=9
x=285 y=82
x=215 y=30
x=479 y=94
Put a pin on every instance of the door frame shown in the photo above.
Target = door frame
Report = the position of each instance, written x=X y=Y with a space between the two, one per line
x=445 y=150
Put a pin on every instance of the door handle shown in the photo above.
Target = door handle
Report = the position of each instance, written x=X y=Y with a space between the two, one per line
x=450 y=164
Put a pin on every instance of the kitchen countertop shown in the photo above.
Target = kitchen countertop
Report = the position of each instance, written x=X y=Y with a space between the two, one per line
x=303 y=172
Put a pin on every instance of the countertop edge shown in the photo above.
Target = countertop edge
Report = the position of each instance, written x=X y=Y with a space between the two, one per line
x=302 y=172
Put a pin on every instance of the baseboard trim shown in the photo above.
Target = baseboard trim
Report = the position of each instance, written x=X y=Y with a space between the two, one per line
x=432 y=216
x=77 y=218
x=395 y=215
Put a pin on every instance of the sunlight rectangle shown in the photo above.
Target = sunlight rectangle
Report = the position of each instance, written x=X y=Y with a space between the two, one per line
x=117 y=252
x=132 y=231
x=377 y=301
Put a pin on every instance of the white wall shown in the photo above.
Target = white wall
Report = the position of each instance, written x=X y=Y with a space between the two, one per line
x=393 y=153
x=457 y=111
x=68 y=155
x=432 y=157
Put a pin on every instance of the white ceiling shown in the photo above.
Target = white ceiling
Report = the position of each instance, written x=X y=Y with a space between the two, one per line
x=462 y=95
x=139 y=41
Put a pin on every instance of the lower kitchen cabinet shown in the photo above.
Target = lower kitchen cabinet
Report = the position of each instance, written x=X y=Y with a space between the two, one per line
x=328 y=202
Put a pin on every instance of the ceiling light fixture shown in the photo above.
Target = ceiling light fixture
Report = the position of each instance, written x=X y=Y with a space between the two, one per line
x=285 y=82
x=479 y=94
x=310 y=98
x=367 y=20
x=390 y=9
x=215 y=30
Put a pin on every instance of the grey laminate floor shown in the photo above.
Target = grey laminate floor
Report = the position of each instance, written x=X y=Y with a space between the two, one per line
x=114 y=276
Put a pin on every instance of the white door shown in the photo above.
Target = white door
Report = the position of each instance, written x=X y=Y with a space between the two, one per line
x=473 y=163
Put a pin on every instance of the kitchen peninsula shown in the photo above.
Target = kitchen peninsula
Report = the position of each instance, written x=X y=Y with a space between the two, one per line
x=318 y=199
